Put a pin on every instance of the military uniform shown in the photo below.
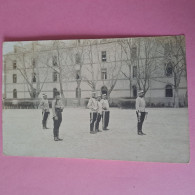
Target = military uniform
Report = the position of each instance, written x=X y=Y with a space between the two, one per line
x=57 y=108
x=44 y=105
x=99 y=115
x=140 y=112
x=93 y=106
x=105 y=114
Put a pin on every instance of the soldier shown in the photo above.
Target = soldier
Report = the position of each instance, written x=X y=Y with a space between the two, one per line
x=140 y=111
x=93 y=106
x=105 y=112
x=57 y=109
x=99 y=114
x=44 y=105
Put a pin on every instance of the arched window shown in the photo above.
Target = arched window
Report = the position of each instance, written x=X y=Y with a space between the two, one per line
x=134 y=91
x=54 y=92
x=104 y=90
x=168 y=69
x=14 y=93
x=169 y=91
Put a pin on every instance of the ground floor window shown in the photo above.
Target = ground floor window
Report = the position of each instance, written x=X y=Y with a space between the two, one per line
x=168 y=91
x=54 y=92
x=14 y=93
x=134 y=91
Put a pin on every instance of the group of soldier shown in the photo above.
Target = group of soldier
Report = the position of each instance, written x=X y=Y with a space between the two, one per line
x=99 y=110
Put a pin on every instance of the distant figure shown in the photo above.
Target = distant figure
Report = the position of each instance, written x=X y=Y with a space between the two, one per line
x=105 y=112
x=140 y=111
x=57 y=109
x=93 y=106
x=44 y=105
x=99 y=114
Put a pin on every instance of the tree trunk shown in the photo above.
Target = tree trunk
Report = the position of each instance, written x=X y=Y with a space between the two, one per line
x=176 y=98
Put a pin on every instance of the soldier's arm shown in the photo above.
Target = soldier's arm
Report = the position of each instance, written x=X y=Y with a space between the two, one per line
x=89 y=104
x=53 y=109
x=137 y=105
x=41 y=105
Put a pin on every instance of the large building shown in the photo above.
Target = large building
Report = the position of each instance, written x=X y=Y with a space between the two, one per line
x=118 y=67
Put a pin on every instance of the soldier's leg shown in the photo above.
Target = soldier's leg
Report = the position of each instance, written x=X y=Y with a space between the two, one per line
x=43 y=113
x=142 y=120
x=98 y=121
x=107 y=118
x=59 y=123
x=94 y=121
x=46 y=117
x=138 y=123
x=55 y=122
x=103 y=120
x=91 y=122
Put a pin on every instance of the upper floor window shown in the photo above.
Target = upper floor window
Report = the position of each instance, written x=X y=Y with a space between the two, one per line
x=103 y=73
x=14 y=78
x=168 y=91
x=77 y=58
x=54 y=60
x=134 y=52
x=104 y=56
x=55 y=76
x=134 y=71
x=14 y=64
x=168 y=69
x=33 y=63
x=54 y=92
x=34 y=77
x=166 y=49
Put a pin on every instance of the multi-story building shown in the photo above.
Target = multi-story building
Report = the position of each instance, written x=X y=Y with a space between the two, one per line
x=118 y=67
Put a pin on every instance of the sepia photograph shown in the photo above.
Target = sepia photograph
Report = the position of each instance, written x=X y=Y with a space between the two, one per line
x=111 y=99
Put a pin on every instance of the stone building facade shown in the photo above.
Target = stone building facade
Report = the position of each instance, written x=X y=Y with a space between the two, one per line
x=118 y=67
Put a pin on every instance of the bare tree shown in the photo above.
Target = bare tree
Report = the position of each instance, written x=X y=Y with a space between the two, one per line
x=27 y=65
x=175 y=57
x=141 y=54
x=93 y=68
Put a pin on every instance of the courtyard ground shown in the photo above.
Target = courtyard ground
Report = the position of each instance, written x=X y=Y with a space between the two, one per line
x=167 y=138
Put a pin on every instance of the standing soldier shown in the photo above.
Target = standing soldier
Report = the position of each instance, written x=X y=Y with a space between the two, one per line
x=140 y=111
x=99 y=114
x=44 y=105
x=93 y=106
x=57 y=108
x=105 y=112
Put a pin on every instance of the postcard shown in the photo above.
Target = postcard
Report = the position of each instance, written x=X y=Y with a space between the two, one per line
x=112 y=99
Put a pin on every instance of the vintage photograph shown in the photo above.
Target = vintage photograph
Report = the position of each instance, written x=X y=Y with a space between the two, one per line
x=111 y=99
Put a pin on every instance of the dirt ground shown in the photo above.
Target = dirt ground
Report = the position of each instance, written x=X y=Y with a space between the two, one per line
x=166 y=139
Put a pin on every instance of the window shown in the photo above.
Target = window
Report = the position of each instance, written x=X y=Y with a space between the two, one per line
x=134 y=52
x=78 y=92
x=54 y=92
x=77 y=58
x=14 y=78
x=166 y=49
x=168 y=69
x=33 y=63
x=14 y=93
x=34 y=77
x=78 y=74
x=55 y=76
x=55 y=61
x=134 y=71
x=103 y=56
x=14 y=64
x=169 y=91
x=134 y=91
x=103 y=73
